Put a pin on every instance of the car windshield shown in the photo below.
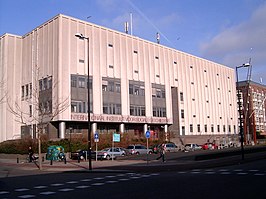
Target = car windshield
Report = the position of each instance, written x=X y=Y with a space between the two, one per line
x=130 y=147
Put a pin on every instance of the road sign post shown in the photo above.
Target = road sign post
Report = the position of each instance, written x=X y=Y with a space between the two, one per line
x=96 y=140
x=148 y=135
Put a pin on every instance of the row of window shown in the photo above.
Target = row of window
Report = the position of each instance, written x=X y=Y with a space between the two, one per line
x=159 y=112
x=112 y=109
x=199 y=130
x=158 y=93
x=111 y=86
x=136 y=90
x=80 y=107
x=45 y=107
x=80 y=82
x=137 y=110
x=206 y=128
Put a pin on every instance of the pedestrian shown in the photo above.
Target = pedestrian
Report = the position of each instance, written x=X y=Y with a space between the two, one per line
x=162 y=153
x=30 y=154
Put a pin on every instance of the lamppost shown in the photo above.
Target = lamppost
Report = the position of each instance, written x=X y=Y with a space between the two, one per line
x=80 y=36
x=69 y=146
x=239 y=109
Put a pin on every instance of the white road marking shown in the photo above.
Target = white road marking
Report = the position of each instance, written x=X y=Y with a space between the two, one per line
x=123 y=179
x=56 y=185
x=27 y=196
x=134 y=177
x=22 y=189
x=111 y=181
x=109 y=176
x=182 y=172
x=259 y=174
x=3 y=192
x=98 y=184
x=82 y=187
x=238 y=170
x=223 y=170
x=253 y=170
x=40 y=187
x=98 y=178
x=72 y=182
x=47 y=193
x=209 y=172
x=65 y=190
x=86 y=180
x=195 y=172
x=242 y=173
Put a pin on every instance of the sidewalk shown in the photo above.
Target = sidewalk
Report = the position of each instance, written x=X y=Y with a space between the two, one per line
x=11 y=166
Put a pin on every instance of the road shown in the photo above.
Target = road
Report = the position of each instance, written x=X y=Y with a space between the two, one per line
x=239 y=181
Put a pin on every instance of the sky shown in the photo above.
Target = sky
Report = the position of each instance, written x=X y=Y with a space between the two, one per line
x=229 y=32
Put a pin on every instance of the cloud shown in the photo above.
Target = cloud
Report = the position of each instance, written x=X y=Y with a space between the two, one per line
x=237 y=44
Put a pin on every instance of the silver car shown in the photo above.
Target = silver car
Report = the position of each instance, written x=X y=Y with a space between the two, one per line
x=138 y=149
x=109 y=153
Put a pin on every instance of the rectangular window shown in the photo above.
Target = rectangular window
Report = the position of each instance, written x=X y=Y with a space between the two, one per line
x=136 y=90
x=30 y=89
x=229 y=128
x=212 y=128
x=74 y=106
x=81 y=82
x=50 y=83
x=181 y=96
x=73 y=81
x=118 y=88
x=191 y=128
x=27 y=90
x=22 y=92
x=182 y=114
x=111 y=86
x=130 y=89
x=30 y=110
x=224 y=129
x=218 y=128
x=206 y=128
x=183 y=130
x=198 y=128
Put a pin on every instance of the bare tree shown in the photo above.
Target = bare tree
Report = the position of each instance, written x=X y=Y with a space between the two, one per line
x=3 y=92
x=38 y=106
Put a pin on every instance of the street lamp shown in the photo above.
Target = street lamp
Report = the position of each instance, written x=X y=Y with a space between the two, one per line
x=239 y=109
x=80 y=36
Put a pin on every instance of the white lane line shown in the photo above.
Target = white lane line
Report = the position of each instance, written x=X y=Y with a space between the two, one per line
x=22 y=189
x=242 y=173
x=134 y=177
x=155 y=174
x=222 y=170
x=98 y=178
x=47 y=193
x=182 y=172
x=3 y=192
x=40 y=187
x=111 y=181
x=259 y=174
x=97 y=184
x=82 y=187
x=146 y=176
x=65 y=190
x=225 y=173
x=27 y=196
x=56 y=185
x=72 y=182
x=123 y=179
x=209 y=170
x=253 y=170
x=86 y=180
x=237 y=170
x=195 y=172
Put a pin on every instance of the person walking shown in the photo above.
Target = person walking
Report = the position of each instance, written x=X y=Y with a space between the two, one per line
x=162 y=153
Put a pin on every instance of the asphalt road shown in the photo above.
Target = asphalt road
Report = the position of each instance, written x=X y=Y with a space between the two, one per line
x=239 y=181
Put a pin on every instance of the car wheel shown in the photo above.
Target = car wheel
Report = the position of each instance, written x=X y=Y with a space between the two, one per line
x=137 y=153
x=108 y=157
x=150 y=152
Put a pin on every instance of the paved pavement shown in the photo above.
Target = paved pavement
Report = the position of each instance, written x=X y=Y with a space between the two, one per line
x=16 y=165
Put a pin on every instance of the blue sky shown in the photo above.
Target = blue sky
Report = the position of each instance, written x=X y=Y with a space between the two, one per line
x=225 y=31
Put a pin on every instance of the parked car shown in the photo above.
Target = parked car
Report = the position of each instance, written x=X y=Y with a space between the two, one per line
x=171 y=147
x=82 y=154
x=209 y=146
x=138 y=149
x=109 y=153
x=192 y=147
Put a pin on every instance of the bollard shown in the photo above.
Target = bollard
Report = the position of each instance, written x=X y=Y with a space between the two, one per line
x=17 y=160
x=78 y=159
x=51 y=162
x=42 y=159
x=65 y=160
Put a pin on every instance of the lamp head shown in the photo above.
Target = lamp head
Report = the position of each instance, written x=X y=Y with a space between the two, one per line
x=79 y=35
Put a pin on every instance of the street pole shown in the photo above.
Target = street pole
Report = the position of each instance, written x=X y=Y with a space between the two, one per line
x=80 y=36
x=240 y=112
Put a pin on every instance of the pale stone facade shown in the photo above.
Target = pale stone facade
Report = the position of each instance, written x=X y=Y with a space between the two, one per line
x=172 y=91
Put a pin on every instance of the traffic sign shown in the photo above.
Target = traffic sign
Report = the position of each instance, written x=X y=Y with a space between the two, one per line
x=96 y=137
x=148 y=134
x=116 y=137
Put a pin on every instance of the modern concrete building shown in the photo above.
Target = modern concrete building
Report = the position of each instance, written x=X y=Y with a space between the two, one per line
x=252 y=96
x=135 y=85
